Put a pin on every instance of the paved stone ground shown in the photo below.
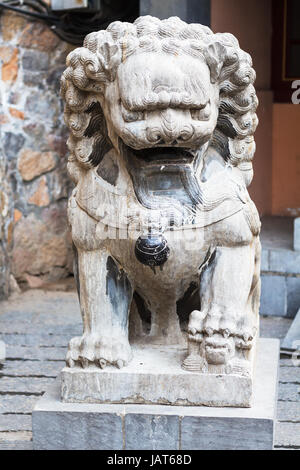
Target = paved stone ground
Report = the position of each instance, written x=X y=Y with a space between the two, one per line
x=36 y=327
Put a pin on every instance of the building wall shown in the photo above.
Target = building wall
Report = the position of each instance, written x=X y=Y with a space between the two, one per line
x=34 y=137
x=275 y=188
x=286 y=159
x=251 y=23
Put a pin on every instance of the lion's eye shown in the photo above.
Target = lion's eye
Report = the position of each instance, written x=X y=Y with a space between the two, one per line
x=202 y=114
x=132 y=116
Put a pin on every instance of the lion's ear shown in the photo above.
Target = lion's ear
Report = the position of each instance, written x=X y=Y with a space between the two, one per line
x=109 y=58
x=215 y=55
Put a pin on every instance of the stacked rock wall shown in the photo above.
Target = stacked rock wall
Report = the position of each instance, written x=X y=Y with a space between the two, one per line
x=33 y=164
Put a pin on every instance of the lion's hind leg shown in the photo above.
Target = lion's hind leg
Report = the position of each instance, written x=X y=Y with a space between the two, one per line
x=227 y=322
x=105 y=298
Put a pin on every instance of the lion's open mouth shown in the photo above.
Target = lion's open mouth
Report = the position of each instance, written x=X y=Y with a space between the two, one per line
x=164 y=155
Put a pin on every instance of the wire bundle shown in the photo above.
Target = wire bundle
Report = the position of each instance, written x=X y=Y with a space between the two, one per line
x=73 y=26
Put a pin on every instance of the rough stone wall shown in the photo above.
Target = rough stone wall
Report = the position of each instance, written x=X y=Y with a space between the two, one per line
x=6 y=224
x=34 y=137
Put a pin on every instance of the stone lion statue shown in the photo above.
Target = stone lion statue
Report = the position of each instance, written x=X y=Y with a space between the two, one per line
x=161 y=117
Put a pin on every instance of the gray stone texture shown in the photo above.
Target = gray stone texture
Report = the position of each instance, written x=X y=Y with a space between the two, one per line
x=219 y=434
x=292 y=339
x=273 y=299
x=2 y=352
x=160 y=427
x=297 y=234
x=151 y=432
x=293 y=296
x=77 y=431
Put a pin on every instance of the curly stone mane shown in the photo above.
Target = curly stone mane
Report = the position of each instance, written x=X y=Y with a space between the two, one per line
x=95 y=64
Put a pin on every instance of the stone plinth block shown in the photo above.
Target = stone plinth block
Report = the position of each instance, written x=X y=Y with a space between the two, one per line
x=60 y=425
x=155 y=376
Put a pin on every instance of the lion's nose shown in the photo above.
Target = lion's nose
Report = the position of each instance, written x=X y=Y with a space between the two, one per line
x=174 y=128
x=171 y=135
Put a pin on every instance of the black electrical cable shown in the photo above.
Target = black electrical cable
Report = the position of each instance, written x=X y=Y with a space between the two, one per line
x=71 y=26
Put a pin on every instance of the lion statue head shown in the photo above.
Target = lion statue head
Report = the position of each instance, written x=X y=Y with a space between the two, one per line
x=170 y=97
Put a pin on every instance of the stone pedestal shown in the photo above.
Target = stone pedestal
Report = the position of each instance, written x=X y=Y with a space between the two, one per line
x=60 y=425
x=155 y=376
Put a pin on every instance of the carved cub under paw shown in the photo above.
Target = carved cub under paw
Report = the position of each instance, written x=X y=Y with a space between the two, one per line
x=162 y=117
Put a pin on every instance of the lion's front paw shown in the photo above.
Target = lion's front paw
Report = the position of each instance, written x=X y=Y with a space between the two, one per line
x=96 y=350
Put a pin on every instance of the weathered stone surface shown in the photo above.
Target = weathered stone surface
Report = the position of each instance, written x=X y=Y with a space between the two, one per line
x=17 y=404
x=90 y=431
x=40 y=197
x=265 y=260
x=297 y=234
x=285 y=261
x=293 y=295
x=287 y=435
x=2 y=352
x=17 y=215
x=155 y=376
x=12 y=24
x=289 y=391
x=35 y=61
x=13 y=144
x=24 y=385
x=292 y=339
x=38 y=36
x=275 y=304
x=196 y=245
x=220 y=434
x=54 y=249
x=289 y=375
x=32 y=368
x=10 y=68
x=289 y=411
x=158 y=427
x=42 y=339
x=15 y=422
x=36 y=353
x=32 y=163
x=151 y=432
x=16 y=445
x=16 y=113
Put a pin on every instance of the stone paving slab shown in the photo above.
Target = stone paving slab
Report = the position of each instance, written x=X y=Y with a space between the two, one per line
x=15 y=422
x=288 y=411
x=36 y=353
x=289 y=392
x=7 y=327
x=17 y=403
x=16 y=445
x=289 y=375
x=287 y=435
x=24 y=385
x=38 y=340
x=32 y=368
